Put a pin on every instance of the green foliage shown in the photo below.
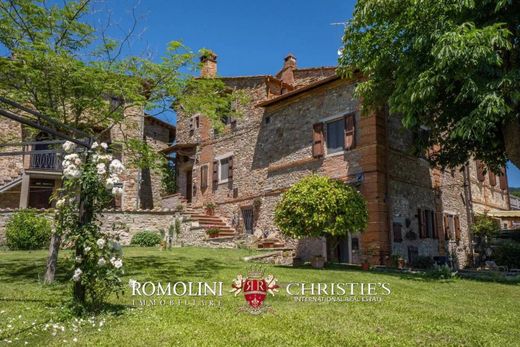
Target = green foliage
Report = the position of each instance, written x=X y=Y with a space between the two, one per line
x=423 y=262
x=212 y=231
x=451 y=66
x=508 y=254
x=318 y=205
x=146 y=239
x=168 y=179
x=442 y=272
x=485 y=226
x=66 y=68
x=27 y=229
x=515 y=191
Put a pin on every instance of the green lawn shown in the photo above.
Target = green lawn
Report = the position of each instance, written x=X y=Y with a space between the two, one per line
x=418 y=312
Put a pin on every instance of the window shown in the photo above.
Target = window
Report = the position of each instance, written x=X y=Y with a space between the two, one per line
x=335 y=136
x=426 y=220
x=452 y=227
x=267 y=120
x=223 y=172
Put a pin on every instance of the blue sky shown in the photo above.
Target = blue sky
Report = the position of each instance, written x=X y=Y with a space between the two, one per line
x=250 y=37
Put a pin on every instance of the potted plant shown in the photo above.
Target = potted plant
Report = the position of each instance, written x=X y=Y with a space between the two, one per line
x=365 y=259
x=210 y=208
x=212 y=232
x=318 y=262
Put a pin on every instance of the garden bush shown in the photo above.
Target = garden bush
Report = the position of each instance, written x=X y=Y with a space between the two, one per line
x=508 y=254
x=146 y=239
x=28 y=229
x=423 y=262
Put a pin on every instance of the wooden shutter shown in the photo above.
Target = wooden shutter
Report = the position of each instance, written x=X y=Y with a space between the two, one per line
x=456 y=221
x=480 y=171
x=503 y=179
x=350 y=131
x=447 y=234
x=438 y=226
x=492 y=179
x=317 y=140
x=421 y=218
x=230 y=162
x=204 y=177
x=434 y=224
x=215 y=174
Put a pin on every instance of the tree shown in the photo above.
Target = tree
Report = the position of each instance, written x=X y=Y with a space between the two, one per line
x=321 y=206
x=450 y=67
x=65 y=68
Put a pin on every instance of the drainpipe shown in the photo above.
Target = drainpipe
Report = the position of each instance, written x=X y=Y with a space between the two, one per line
x=469 y=208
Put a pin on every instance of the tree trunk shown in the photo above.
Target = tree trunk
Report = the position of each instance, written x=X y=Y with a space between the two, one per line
x=511 y=132
x=52 y=260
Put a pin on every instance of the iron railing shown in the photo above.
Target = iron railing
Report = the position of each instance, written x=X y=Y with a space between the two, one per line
x=46 y=161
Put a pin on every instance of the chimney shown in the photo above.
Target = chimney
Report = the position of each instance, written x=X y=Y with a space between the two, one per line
x=208 y=62
x=287 y=71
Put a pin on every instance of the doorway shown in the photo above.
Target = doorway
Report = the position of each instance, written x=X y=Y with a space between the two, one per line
x=40 y=191
x=339 y=249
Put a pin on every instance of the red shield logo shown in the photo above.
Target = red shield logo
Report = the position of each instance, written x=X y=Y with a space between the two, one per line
x=255 y=291
x=255 y=288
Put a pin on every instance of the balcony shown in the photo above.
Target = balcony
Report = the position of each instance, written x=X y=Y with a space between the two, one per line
x=45 y=162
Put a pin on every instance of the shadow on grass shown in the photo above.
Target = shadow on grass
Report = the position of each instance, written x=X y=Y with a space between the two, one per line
x=15 y=270
x=176 y=267
x=423 y=275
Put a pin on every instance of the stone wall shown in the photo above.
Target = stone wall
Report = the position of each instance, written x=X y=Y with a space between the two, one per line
x=124 y=224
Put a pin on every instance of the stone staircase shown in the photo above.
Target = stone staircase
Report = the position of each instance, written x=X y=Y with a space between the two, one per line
x=7 y=182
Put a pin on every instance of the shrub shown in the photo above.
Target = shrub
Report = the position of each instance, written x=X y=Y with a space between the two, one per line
x=27 y=230
x=508 y=254
x=442 y=272
x=423 y=262
x=146 y=239
x=212 y=231
x=318 y=206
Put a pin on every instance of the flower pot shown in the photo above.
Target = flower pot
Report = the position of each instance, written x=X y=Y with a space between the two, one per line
x=318 y=262
x=365 y=266
x=212 y=236
x=210 y=211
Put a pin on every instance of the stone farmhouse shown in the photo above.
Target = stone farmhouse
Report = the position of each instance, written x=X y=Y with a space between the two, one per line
x=28 y=181
x=307 y=120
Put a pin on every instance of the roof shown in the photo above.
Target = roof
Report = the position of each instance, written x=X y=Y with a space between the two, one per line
x=298 y=91
x=504 y=214
x=178 y=147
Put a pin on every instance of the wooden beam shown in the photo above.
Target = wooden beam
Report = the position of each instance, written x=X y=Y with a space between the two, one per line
x=42 y=116
x=44 y=128
x=29 y=143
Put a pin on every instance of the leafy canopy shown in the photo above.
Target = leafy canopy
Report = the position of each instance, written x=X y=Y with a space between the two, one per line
x=449 y=66
x=318 y=206
x=76 y=73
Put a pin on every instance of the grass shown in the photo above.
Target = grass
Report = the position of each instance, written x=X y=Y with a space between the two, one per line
x=418 y=312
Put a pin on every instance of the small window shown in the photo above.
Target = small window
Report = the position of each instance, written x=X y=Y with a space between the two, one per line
x=267 y=120
x=335 y=136
x=223 y=173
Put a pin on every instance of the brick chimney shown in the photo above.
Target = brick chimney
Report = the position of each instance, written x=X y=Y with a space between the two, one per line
x=286 y=75
x=208 y=67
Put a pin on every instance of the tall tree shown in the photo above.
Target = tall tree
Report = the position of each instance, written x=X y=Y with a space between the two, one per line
x=451 y=67
x=65 y=68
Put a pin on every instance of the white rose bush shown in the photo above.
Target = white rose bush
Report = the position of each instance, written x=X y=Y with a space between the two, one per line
x=91 y=180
